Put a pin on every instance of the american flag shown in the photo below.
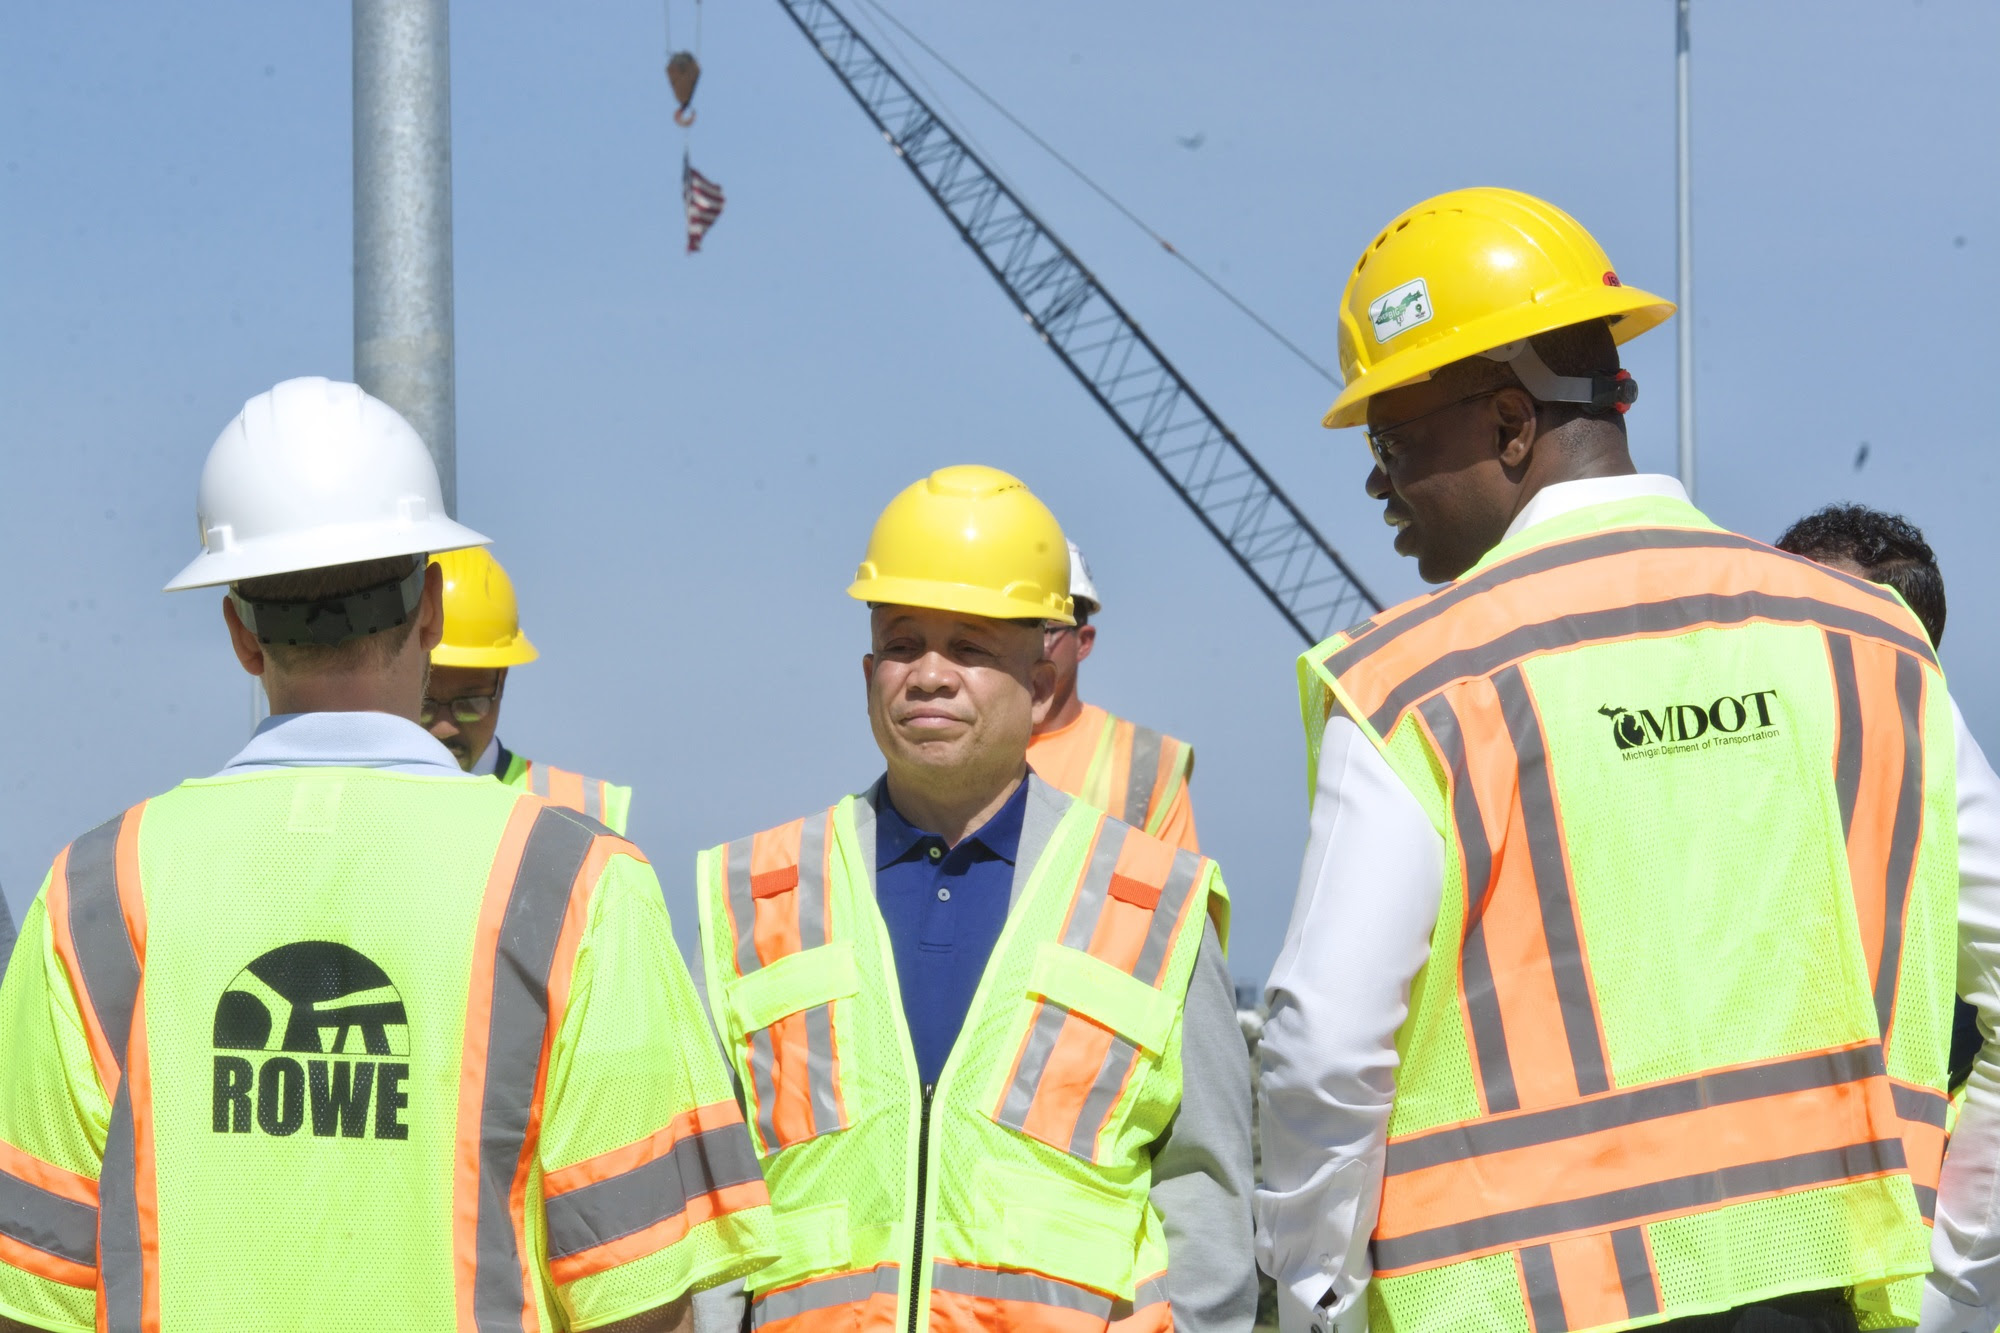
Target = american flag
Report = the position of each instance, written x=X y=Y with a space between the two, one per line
x=704 y=203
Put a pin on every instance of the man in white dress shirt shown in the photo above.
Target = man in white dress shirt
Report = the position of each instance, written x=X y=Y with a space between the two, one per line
x=1643 y=862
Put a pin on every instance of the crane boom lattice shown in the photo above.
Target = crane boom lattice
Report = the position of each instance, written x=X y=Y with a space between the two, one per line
x=1159 y=411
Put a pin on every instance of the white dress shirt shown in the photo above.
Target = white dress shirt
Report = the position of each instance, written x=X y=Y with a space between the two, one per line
x=1360 y=932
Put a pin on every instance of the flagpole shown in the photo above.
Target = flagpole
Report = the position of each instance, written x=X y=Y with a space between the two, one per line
x=1685 y=208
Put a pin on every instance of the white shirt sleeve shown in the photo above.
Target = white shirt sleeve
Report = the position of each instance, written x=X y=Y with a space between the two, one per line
x=1963 y=1294
x=1360 y=932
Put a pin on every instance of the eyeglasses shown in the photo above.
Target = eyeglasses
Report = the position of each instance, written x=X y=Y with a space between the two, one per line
x=464 y=710
x=1383 y=443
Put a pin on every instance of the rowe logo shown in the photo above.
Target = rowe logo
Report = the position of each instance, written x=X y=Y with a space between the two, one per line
x=1684 y=724
x=312 y=998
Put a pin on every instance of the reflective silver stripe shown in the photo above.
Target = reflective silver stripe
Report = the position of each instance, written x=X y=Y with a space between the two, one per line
x=1922 y=1105
x=1594 y=547
x=97 y=928
x=1482 y=1002
x=742 y=904
x=820 y=1088
x=824 y=1293
x=1552 y=887
x=1624 y=622
x=1104 y=1090
x=1903 y=837
x=764 y=1083
x=648 y=1195
x=538 y=778
x=525 y=954
x=121 y=1270
x=1710 y=1189
x=1166 y=915
x=48 y=1222
x=1635 y=1272
x=1049 y=1019
x=593 y=798
x=993 y=1284
x=1481 y=1138
x=1151 y=1292
x=1089 y=904
x=1926 y=1202
x=1140 y=772
x=1545 y=1302
x=1847 y=700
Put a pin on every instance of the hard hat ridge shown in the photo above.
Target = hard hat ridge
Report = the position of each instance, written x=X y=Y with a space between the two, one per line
x=970 y=539
x=482 y=619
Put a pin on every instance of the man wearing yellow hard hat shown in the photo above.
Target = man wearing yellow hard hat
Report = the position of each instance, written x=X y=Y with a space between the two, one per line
x=1618 y=988
x=983 y=1032
x=482 y=640
x=1136 y=773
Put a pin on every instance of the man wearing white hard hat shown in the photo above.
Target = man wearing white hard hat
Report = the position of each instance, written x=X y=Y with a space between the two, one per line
x=343 y=1036
x=1138 y=774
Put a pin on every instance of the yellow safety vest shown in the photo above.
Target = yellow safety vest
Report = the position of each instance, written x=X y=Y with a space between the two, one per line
x=1680 y=1042
x=606 y=802
x=1015 y=1193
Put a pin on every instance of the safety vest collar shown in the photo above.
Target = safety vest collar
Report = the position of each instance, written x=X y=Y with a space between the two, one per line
x=1045 y=809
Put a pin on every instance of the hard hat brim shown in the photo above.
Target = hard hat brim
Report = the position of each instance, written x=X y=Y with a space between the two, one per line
x=319 y=548
x=516 y=652
x=963 y=598
x=1630 y=310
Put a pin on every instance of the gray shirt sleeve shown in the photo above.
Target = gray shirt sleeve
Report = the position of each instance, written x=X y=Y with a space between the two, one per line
x=1202 y=1175
x=6 y=933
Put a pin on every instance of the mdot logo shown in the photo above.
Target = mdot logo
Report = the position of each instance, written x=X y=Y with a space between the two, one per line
x=312 y=999
x=1673 y=728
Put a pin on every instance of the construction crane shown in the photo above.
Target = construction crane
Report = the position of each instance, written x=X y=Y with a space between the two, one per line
x=1152 y=402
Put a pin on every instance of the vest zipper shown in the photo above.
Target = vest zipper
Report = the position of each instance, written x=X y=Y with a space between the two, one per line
x=917 y=1279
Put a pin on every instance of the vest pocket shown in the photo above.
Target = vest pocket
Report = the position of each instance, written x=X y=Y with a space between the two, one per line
x=809 y=1240
x=1094 y=1031
x=1065 y=1228
x=783 y=1017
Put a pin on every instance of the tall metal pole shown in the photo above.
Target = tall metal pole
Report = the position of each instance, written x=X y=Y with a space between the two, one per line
x=403 y=348
x=1685 y=200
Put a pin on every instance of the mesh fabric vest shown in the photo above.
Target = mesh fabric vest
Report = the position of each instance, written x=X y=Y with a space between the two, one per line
x=1014 y=1194
x=325 y=999
x=606 y=802
x=1680 y=1044
x=1116 y=765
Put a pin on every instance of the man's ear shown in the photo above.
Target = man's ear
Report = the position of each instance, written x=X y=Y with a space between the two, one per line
x=248 y=651
x=1518 y=426
x=430 y=610
x=1041 y=690
x=1086 y=639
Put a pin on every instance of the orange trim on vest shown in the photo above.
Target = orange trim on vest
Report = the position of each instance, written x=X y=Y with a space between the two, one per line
x=624 y=1249
x=618 y=1161
x=42 y=1264
x=472 y=1062
x=101 y=1054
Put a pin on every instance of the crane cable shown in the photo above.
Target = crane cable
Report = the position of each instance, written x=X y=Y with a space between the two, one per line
x=1105 y=195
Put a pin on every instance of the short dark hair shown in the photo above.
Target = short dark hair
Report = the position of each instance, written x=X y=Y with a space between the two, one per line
x=325 y=584
x=1579 y=350
x=1888 y=548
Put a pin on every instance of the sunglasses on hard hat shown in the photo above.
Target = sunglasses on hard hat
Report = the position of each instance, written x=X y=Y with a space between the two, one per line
x=465 y=710
x=1383 y=443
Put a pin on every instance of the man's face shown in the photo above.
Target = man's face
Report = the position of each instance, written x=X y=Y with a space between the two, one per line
x=1446 y=487
x=954 y=694
x=466 y=740
x=1066 y=646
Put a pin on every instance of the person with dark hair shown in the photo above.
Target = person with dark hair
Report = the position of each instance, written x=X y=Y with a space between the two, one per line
x=344 y=1036
x=1614 y=992
x=1879 y=547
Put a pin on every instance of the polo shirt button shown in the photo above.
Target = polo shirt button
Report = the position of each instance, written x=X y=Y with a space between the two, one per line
x=936 y=851
x=944 y=895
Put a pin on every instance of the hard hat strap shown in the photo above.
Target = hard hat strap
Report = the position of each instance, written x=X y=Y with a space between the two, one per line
x=1601 y=392
x=335 y=620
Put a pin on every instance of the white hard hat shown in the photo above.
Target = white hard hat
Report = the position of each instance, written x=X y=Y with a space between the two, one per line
x=311 y=474
x=1081 y=589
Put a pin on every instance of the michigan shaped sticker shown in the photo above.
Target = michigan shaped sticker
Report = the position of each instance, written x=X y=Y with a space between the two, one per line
x=1400 y=310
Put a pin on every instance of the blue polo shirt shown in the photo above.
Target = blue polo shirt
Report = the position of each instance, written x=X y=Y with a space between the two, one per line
x=944 y=908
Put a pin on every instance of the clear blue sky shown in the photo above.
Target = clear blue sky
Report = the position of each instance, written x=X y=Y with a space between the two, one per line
x=679 y=458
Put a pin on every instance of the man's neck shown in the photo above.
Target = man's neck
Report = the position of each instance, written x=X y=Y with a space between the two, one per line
x=1067 y=708
x=953 y=816
x=1584 y=466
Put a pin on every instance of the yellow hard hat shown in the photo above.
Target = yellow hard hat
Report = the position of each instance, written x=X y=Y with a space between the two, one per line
x=1468 y=272
x=970 y=539
x=482 y=623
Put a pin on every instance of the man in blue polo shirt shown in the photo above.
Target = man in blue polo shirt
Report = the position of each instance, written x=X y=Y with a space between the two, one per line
x=929 y=986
